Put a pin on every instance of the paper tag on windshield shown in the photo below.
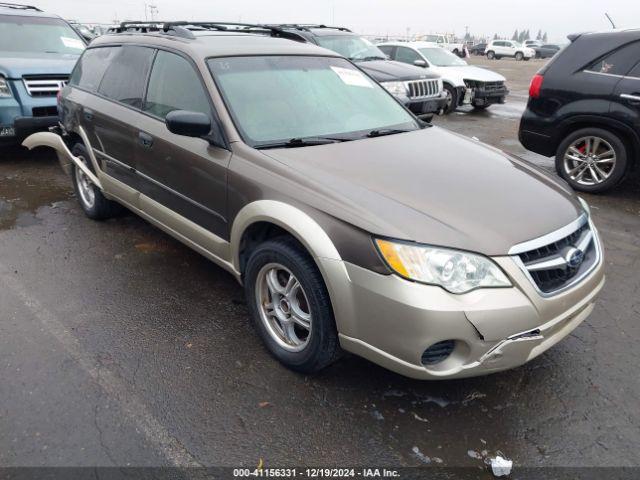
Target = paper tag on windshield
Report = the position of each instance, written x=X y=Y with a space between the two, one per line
x=72 y=43
x=352 y=77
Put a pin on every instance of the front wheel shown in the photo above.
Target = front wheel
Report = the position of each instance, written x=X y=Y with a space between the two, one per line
x=94 y=204
x=592 y=160
x=491 y=55
x=519 y=56
x=290 y=306
x=452 y=99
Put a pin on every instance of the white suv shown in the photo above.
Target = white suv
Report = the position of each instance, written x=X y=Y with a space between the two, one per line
x=508 y=48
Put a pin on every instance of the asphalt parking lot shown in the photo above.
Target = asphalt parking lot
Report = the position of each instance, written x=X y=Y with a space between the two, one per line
x=121 y=347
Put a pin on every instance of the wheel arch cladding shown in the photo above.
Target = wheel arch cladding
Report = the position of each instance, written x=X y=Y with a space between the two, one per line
x=286 y=218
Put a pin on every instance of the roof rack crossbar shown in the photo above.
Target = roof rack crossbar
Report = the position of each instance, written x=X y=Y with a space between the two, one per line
x=19 y=6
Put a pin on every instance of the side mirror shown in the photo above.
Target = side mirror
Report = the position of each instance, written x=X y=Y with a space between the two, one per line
x=420 y=63
x=188 y=124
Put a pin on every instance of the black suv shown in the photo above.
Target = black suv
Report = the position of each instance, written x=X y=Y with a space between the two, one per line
x=584 y=108
x=420 y=91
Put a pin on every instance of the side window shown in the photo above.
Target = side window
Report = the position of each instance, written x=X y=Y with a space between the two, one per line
x=126 y=75
x=407 y=55
x=175 y=85
x=387 y=49
x=618 y=62
x=635 y=72
x=91 y=67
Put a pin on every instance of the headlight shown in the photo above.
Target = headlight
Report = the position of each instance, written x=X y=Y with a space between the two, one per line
x=455 y=271
x=585 y=205
x=395 y=88
x=5 y=91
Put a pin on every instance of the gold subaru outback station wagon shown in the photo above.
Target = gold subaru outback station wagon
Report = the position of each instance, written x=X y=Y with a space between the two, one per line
x=352 y=225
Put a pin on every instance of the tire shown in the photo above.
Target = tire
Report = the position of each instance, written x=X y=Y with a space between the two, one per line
x=606 y=174
x=519 y=56
x=94 y=204
x=452 y=99
x=491 y=54
x=456 y=52
x=320 y=345
x=526 y=59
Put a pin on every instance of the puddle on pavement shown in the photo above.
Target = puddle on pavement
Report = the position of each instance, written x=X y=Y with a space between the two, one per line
x=22 y=194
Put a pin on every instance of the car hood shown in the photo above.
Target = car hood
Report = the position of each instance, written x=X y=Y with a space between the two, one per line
x=16 y=65
x=388 y=70
x=432 y=186
x=468 y=72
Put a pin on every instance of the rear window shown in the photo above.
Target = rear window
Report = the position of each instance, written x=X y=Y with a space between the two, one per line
x=126 y=75
x=38 y=35
x=91 y=67
x=618 y=62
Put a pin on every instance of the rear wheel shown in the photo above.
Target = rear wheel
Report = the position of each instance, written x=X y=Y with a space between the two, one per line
x=94 y=204
x=290 y=306
x=592 y=160
x=491 y=54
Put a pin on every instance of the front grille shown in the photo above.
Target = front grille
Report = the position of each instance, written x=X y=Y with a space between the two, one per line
x=438 y=352
x=49 y=86
x=423 y=89
x=493 y=86
x=44 y=111
x=558 y=264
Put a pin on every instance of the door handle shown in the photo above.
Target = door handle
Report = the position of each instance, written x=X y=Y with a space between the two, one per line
x=633 y=98
x=145 y=140
x=88 y=115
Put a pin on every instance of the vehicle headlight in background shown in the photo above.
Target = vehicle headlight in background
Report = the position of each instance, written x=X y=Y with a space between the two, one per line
x=5 y=91
x=395 y=88
x=454 y=270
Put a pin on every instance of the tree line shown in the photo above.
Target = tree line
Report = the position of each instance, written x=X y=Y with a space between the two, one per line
x=524 y=35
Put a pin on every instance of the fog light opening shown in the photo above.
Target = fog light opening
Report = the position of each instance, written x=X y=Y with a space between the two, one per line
x=438 y=352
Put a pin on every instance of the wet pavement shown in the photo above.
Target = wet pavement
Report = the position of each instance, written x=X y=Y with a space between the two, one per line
x=119 y=346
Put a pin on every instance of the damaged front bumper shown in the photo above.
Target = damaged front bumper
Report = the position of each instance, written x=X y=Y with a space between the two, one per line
x=395 y=323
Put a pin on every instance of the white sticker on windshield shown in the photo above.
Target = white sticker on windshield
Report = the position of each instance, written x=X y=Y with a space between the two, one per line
x=352 y=77
x=72 y=43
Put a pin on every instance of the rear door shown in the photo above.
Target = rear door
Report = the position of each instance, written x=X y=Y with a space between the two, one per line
x=626 y=106
x=184 y=174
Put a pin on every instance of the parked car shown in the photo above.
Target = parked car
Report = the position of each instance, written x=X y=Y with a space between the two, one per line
x=84 y=30
x=447 y=42
x=478 y=49
x=350 y=224
x=464 y=84
x=584 y=108
x=421 y=91
x=37 y=53
x=547 y=51
x=508 y=48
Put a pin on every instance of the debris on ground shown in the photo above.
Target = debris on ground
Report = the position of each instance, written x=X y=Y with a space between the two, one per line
x=474 y=454
x=420 y=456
x=501 y=467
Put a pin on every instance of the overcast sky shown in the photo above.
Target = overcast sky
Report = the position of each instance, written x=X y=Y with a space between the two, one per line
x=558 y=17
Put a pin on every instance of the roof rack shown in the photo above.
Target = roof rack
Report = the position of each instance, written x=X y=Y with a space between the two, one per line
x=185 y=29
x=309 y=26
x=18 y=6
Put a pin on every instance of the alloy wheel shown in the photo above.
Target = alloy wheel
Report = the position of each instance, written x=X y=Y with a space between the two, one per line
x=590 y=161
x=85 y=187
x=283 y=307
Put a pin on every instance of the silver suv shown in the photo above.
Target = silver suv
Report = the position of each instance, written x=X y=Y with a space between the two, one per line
x=351 y=225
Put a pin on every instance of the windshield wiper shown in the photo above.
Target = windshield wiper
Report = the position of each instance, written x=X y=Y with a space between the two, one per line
x=302 y=142
x=366 y=59
x=386 y=131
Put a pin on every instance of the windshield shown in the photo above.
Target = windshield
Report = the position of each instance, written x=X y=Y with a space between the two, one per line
x=442 y=58
x=38 y=34
x=273 y=99
x=432 y=38
x=352 y=47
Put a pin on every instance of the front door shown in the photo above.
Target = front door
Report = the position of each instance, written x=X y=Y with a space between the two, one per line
x=184 y=174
